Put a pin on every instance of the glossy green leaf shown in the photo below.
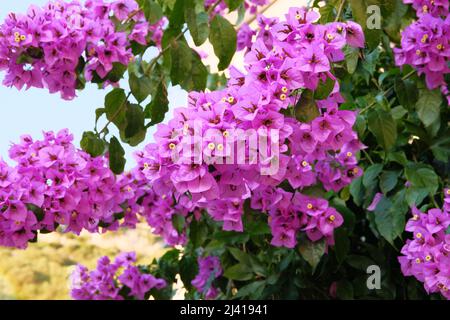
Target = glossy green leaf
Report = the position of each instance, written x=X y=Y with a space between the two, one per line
x=406 y=91
x=159 y=106
x=388 y=180
x=181 y=62
x=371 y=174
x=115 y=107
x=324 y=89
x=198 y=23
x=422 y=177
x=383 y=127
x=92 y=144
x=312 y=252
x=152 y=10
x=116 y=156
x=224 y=40
x=306 y=109
x=428 y=106
x=135 y=120
x=196 y=78
x=239 y=272
x=233 y=4
x=140 y=86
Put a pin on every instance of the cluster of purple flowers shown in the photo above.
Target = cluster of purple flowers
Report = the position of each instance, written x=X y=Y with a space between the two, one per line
x=427 y=255
x=54 y=184
x=287 y=58
x=221 y=7
x=425 y=44
x=119 y=280
x=48 y=46
x=209 y=270
x=292 y=212
x=434 y=7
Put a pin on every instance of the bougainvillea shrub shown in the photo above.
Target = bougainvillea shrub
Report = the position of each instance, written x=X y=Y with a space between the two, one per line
x=322 y=158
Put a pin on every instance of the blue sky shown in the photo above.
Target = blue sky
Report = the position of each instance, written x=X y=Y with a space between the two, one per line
x=35 y=110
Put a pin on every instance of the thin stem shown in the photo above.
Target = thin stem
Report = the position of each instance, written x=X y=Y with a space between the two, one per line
x=341 y=7
x=131 y=16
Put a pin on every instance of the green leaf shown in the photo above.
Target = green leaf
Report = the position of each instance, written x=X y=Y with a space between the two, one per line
x=371 y=174
x=116 y=74
x=140 y=87
x=399 y=157
x=257 y=228
x=159 y=106
x=344 y=290
x=230 y=237
x=188 y=270
x=360 y=125
x=152 y=11
x=196 y=78
x=398 y=112
x=441 y=147
x=178 y=222
x=395 y=13
x=134 y=140
x=116 y=156
x=328 y=12
x=181 y=61
x=252 y=290
x=98 y=114
x=414 y=196
x=239 y=272
x=197 y=23
x=234 y=4
x=383 y=127
x=176 y=18
x=342 y=244
x=351 y=59
x=312 y=252
x=168 y=264
x=135 y=120
x=198 y=233
x=306 y=109
x=422 y=177
x=324 y=89
x=359 y=262
x=240 y=256
x=38 y=211
x=224 y=40
x=388 y=180
x=406 y=91
x=115 y=107
x=428 y=106
x=371 y=60
x=357 y=191
x=390 y=217
x=359 y=11
x=92 y=144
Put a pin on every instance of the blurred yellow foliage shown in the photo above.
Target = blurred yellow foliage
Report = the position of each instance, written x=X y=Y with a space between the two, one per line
x=42 y=270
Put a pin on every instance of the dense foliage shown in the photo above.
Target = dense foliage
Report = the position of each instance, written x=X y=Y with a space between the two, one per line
x=354 y=118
